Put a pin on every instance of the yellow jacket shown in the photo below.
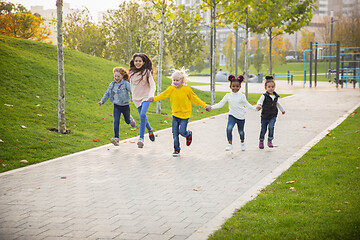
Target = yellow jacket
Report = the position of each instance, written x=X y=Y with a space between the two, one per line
x=180 y=100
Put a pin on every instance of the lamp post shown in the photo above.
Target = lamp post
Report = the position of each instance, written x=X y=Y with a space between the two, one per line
x=331 y=38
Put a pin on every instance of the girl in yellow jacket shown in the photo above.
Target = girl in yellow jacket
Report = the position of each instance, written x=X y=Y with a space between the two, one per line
x=181 y=97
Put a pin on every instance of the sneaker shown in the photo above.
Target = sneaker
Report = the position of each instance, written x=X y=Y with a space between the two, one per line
x=176 y=153
x=261 y=144
x=140 y=143
x=132 y=122
x=115 y=141
x=270 y=144
x=189 y=139
x=243 y=146
x=229 y=147
x=151 y=136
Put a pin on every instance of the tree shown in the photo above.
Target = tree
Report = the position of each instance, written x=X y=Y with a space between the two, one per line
x=129 y=29
x=228 y=50
x=16 y=21
x=241 y=58
x=83 y=35
x=274 y=17
x=258 y=58
x=184 y=40
x=61 y=99
x=306 y=38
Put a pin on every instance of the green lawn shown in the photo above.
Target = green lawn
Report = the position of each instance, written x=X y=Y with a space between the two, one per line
x=29 y=103
x=316 y=198
x=290 y=66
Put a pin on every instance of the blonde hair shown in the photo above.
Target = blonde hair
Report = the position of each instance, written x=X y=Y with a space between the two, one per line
x=122 y=71
x=181 y=75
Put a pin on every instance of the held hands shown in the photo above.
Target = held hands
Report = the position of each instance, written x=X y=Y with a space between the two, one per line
x=100 y=103
x=151 y=99
x=208 y=108
x=258 y=107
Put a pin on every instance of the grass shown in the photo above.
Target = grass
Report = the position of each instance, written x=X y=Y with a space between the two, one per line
x=291 y=66
x=321 y=203
x=29 y=98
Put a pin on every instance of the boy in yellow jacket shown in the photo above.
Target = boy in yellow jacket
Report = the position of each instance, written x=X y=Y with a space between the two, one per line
x=181 y=97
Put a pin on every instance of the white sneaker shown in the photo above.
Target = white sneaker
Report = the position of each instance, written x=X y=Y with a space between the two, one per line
x=115 y=141
x=140 y=143
x=243 y=146
x=132 y=122
x=229 y=147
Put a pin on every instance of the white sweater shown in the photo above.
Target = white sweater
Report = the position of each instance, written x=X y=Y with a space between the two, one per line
x=237 y=102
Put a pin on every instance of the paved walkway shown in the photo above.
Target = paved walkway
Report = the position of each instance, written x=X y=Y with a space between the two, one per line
x=129 y=193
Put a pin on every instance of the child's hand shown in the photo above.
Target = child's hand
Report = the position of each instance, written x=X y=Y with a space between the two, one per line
x=100 y=103
x=208 y=108
x=151 y=99
x=258 y=107
x=283 y=112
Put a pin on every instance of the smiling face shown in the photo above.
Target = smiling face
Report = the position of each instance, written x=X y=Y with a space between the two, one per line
x=270 y=87
x=177 y=82
x=118 y=76
x=138 y=62
x=235 y=86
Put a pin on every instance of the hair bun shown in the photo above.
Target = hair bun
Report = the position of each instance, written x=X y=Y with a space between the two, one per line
x=231 y=77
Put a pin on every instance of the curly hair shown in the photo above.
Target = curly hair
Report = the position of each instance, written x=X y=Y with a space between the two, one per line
x=238 y=79
x=181 y=75
x=122 y=71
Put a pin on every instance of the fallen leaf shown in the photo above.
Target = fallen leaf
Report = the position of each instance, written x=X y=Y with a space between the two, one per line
x=202 y=111
x=4 y=165
x=39 y=115
x=111 y=115
x=23 y=161
x=36 y=187
x=293 y=189
x=133 y=129
x=22 y=126
x=1 y=141
x=37 y=96
x=357 y=131
x=74 y=125
x=60 y=135
x=325 y=146
x=103 y=118
x=8 y=105
x=197 y=189
x=357 y=167
x=290 y=181
x=212 y=117
x=304 y=127
x=43 y=139
x=95 y=139
x=337 y=210
x=38 y=105
x=63 y=177
x=131 y=141
x=165 y=121
x=347 y=202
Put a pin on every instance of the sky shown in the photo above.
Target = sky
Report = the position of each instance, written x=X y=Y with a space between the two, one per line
x=94 y=6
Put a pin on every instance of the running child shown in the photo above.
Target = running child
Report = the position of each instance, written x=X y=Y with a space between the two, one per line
x=269 y=103
x=143 y=87
x=237 y=103
x=119 y=93
x=181 y=97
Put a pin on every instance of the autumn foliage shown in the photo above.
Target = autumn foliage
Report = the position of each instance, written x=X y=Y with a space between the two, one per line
x=18 y=22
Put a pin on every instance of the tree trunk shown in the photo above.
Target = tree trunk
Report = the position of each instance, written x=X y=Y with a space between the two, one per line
x=270 y=51
x=213 y=54
x=61 y=74
x=246 y=55
x=158 y=104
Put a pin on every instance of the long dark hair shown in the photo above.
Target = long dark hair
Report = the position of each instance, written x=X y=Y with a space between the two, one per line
x=147 y=65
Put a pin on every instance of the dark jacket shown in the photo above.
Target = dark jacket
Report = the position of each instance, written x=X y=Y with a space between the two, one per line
x=269 y=106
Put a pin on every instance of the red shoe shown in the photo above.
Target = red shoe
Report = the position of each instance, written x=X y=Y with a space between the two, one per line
x=176 y=153
x=189 y=139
